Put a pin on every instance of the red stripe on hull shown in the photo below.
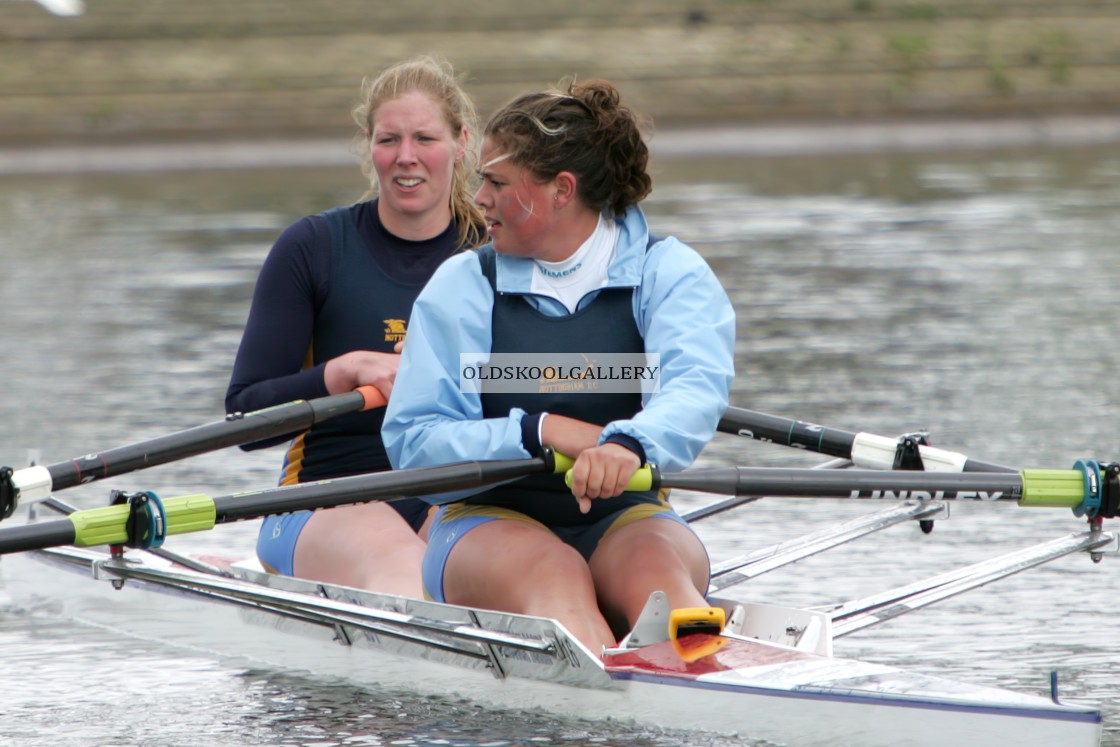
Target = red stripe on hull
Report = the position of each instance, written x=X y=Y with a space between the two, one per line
x=699 y=654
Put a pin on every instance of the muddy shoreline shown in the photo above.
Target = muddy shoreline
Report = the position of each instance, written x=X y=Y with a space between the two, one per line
x=213 y=72
x=793 y=139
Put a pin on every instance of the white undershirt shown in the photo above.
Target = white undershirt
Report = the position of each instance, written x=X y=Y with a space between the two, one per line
x=573 y=278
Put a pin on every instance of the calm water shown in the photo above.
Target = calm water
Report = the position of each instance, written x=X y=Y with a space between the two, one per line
x=973 y=295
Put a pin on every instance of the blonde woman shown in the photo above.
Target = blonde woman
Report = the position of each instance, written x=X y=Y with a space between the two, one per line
x=332 y=303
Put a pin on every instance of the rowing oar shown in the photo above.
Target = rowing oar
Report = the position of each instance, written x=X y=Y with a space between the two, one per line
x=1090 y=489
x=145 y=519
x=865 y=450
x=37 y=483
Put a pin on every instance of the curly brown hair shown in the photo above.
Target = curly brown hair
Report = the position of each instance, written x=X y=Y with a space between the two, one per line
x=585 y=130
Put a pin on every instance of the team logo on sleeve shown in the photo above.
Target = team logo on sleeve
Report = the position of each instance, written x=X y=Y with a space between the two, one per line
x=395 y=330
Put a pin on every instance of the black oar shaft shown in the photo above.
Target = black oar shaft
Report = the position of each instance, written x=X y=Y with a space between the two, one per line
x=786 y=432
x=777 y=482
x=24 y=537
x=821 y=439
x=380 y=486
x=234 y=430
x=193 y=513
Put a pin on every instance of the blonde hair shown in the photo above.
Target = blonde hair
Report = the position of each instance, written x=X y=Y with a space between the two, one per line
x=436 y=78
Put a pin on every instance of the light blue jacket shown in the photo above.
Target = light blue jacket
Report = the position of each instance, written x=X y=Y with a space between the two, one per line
x=681 y=310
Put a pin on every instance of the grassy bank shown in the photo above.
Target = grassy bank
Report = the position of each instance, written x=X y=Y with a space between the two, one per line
x=158 y=69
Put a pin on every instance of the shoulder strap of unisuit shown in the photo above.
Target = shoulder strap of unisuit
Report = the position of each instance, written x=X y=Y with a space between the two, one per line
x=488 y=258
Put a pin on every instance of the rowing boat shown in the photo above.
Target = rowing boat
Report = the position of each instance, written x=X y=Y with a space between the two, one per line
x=770 y=674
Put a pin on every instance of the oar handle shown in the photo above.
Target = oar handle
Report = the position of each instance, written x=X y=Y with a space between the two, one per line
x=647 y=477
x=372 y=397
x=562 y=463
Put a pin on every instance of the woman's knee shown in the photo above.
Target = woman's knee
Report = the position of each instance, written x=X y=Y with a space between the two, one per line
x=494 y=563
x=651 y=546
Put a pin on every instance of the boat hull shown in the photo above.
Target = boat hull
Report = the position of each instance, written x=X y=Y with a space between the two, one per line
x=830 y=701
x=727 y=685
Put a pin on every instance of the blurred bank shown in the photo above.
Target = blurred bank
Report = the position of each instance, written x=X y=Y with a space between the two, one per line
x=129 y=71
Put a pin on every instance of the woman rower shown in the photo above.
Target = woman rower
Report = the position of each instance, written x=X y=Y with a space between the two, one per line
x=332 y=302
x=571 y=268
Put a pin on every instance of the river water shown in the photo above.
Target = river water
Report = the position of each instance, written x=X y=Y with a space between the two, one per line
x=971 y=294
